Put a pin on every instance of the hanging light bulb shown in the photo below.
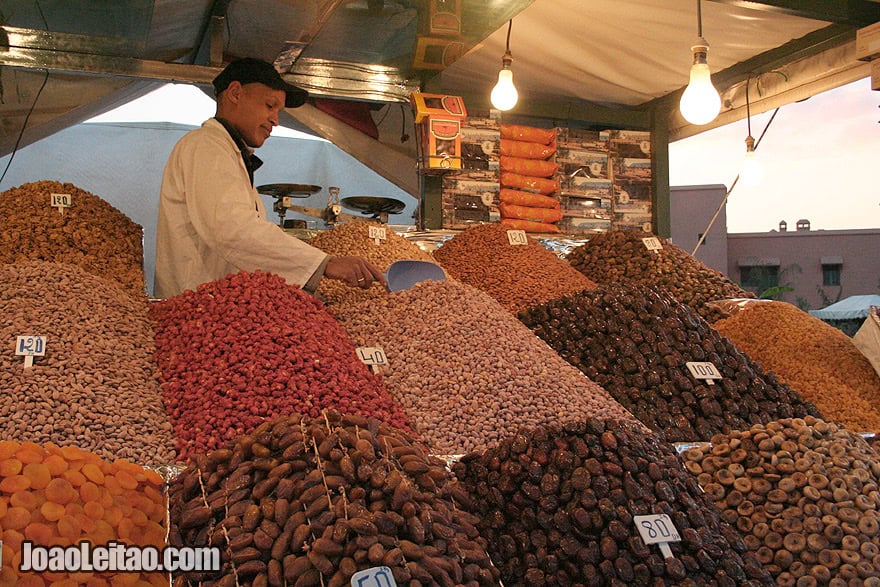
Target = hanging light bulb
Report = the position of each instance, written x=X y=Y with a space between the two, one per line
x=504 y=94
x=751 y=173
x=700 y=102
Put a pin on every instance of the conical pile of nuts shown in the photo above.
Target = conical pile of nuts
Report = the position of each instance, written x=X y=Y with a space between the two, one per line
x=557 y=505
x=312 y=501
x=804 y=493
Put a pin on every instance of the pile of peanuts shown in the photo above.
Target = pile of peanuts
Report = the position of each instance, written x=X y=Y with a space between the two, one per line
x=311 y=501
x=353 y=238
x=557 y=505
x=804 y=493
x=249 y=347
x=90 y=233
x=59 y=496
x=636 y=341
x=96 y=387
x=814 y=358
x=465 y=371
x=517 y=276
x=621 y=256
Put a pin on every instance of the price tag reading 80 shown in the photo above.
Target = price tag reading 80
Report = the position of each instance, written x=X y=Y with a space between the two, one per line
x=517 y=237
x=652 y=243
x=377 y=233
x=657 y=529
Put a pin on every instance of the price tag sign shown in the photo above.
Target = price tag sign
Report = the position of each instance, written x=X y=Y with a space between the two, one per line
x=377 y=233
x=61 y=201
x=704 y=370
x=374 y=577
x=657 y=529
x=30 y=347
x=517 y=237
x=372 y=356
x=652 y=243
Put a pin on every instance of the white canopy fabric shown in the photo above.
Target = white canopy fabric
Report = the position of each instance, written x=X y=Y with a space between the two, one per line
x=851 y=308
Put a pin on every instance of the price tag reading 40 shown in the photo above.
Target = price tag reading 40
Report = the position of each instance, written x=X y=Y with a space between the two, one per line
x=30 y=347
x=517 y=237
x=374 y=577
x=372 y=356
x=377 y=233
x=61 y=201
x=657 y=529
x=706 y=371
x=652 y=243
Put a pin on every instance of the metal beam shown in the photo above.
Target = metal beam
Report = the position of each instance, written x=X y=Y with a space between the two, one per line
x=853 y=13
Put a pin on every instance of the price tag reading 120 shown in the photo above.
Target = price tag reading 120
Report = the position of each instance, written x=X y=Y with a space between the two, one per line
x=30 y=347
x=517 y=237
x=61 y=201
x=657 y=529
x=377 y=233
x=706 y=371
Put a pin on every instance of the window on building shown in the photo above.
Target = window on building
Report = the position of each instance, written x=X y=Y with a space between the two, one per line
x=831 y=274
x=759 y=277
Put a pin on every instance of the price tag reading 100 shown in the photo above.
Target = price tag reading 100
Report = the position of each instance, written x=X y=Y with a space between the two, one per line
x=517 y=237
x=703 y=370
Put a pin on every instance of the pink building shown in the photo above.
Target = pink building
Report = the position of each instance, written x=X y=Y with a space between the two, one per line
x=820 y=266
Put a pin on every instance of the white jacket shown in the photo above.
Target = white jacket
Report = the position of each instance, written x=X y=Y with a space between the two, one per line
x=212 y=221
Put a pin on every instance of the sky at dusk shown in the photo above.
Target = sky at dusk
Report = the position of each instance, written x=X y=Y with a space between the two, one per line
x=820 y=157
x=820 y=160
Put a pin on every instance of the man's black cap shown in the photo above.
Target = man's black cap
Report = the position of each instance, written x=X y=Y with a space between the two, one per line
x=250 y=70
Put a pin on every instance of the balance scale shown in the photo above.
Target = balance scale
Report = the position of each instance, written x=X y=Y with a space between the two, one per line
x=376 y=207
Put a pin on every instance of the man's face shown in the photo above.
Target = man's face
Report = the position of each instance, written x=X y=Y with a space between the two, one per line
x=257 y=112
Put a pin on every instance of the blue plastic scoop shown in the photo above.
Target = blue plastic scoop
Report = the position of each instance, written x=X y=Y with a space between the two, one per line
x=402 y=275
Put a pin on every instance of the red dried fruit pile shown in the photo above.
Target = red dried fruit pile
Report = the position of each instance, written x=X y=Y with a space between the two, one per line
x=250 y=347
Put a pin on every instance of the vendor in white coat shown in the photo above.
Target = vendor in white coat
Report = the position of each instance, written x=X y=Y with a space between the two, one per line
x=212 y=222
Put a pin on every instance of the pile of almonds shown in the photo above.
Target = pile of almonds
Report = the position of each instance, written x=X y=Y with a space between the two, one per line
x=804 y=493
x=621 y=256
x=248 y=348
x=557 y=505
x=311 y=501
x=517 y=276
x=90 y=233
x=814 y=358
x=60 y=496
x=353 y=238
x=96 y=387
x=465 y=371
x=636 y=341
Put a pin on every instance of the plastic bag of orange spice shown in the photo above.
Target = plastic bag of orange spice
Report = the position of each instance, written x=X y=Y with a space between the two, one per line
x=62 y=496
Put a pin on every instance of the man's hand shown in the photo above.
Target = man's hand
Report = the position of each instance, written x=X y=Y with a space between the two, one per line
x=353 y=271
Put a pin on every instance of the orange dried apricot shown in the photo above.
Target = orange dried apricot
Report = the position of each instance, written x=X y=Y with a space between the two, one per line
x=8 y=448
x=124 y=528
x=16 y=518
x=75 y=477
x=13 y=539
x=72 y=453
x=126 y=480
x=113 y=515
x=154 y=534
x=30 y=452
x=60 y=491
x=56 y=464
x=52 y=511
x=139 y=518
x=38 y=533
x=86 y=523
x=24 y=499
x=93 y=509
x=30 y=581
x=112 y=484
x=93 y=473
x=38 y=473
x=89 y=492
x=4 y=504
x=14 y=483
x=69 y=527
x=10 y=466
